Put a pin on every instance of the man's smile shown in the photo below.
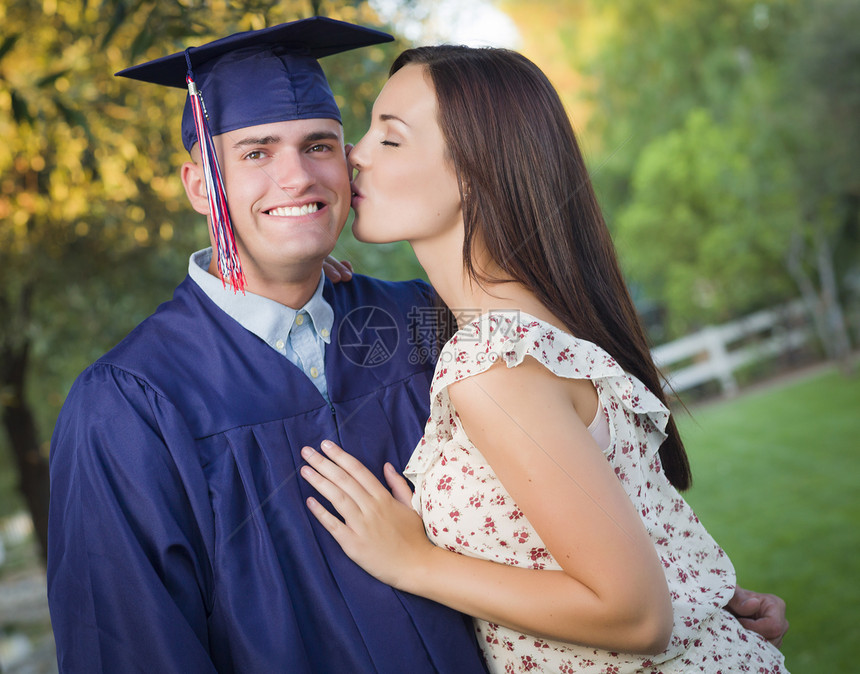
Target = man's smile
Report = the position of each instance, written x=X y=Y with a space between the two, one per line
x=294 y=211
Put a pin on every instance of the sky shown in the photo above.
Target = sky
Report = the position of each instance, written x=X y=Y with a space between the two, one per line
x=476 y=23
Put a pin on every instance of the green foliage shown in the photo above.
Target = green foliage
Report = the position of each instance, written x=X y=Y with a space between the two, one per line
x=661 y=60
x=821 y=105
x=824 y=77
x=727 y=154
x=80 y=202
x=775 y=484
x=707 y=225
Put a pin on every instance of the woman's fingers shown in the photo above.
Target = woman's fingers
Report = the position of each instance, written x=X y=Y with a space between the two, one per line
x=332 y=490
x=400 y=488
x=342 y=479
x=383 y=535
x=332 y=524
x=337 y=270
x=350 y=467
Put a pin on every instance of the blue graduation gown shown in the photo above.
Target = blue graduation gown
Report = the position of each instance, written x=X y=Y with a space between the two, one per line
x=179 y=537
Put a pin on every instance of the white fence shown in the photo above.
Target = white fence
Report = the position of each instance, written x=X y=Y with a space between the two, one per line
x=715 y=352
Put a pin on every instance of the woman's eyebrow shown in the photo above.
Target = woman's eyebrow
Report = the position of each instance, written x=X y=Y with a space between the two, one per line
x=388 y=118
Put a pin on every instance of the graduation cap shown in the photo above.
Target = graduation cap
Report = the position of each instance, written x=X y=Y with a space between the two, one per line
x=250 y=78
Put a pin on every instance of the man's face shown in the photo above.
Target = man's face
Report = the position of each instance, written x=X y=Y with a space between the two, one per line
x=288 y=192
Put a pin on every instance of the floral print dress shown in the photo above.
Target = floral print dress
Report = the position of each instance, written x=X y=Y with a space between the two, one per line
x=466 y=509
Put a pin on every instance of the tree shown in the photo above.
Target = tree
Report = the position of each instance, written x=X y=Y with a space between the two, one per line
x=707 y=224
x=786 y=110
x=822 y=106
x=659 y=61
x=76 y=200
x=94 y=229
x=771 y=86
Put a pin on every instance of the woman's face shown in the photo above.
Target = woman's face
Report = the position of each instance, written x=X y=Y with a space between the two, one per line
x=405 y=187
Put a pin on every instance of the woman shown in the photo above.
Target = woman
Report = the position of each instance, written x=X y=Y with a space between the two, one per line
x=547 y=485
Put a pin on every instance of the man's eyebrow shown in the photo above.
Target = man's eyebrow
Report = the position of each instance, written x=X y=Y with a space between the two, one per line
x=321 y=135
x=265 y=140
x=388 y=118
x=312 y=137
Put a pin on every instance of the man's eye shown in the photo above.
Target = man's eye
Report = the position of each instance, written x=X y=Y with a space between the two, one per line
x=254 y=155
x=319 y=147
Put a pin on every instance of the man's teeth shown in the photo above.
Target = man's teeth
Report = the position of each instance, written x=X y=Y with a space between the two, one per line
x=294 y=211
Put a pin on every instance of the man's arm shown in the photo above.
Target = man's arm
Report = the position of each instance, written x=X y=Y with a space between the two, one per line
x=128 y=570
x=761 y=613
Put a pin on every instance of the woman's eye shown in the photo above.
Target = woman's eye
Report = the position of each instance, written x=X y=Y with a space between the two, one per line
x=389 y=143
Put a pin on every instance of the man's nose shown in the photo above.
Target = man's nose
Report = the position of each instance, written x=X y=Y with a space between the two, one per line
x=294 y=175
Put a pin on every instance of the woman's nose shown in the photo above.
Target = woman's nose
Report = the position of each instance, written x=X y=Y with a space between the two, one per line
x=354 y=155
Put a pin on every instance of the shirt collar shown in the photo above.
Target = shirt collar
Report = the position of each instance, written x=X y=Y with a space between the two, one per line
x=271 y=321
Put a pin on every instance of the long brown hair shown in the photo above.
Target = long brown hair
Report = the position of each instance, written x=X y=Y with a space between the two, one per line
x=526 y=194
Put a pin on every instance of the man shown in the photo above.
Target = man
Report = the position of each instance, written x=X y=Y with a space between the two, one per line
x=179 y=538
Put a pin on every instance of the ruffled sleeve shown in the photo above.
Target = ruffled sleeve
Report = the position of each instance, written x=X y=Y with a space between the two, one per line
x=511 y=336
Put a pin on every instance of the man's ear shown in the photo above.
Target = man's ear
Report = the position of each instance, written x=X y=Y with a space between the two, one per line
x=195 y=186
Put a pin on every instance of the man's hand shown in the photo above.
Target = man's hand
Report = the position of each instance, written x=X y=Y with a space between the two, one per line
x=761 y=613
x=337 y=271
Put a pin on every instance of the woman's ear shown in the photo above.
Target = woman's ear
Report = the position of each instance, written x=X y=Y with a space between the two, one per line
x=195 y=186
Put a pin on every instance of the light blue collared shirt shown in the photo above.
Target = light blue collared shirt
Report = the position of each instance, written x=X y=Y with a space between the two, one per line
x=298 y=335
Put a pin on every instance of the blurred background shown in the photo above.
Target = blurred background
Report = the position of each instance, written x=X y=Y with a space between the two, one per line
x=722 y=136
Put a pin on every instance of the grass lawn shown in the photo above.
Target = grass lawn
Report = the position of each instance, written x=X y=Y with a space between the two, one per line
x=777 y=482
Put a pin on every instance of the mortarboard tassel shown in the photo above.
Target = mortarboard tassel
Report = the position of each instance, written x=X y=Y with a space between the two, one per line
x=229 y=265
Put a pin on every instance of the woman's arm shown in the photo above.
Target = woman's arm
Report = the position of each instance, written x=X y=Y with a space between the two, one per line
x=611 y=592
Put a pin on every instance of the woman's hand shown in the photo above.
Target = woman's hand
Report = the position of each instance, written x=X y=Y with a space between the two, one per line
x=337 y=270
x=380 y=531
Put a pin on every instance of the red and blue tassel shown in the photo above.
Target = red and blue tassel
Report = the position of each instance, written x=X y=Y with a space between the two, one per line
x=229 y=265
